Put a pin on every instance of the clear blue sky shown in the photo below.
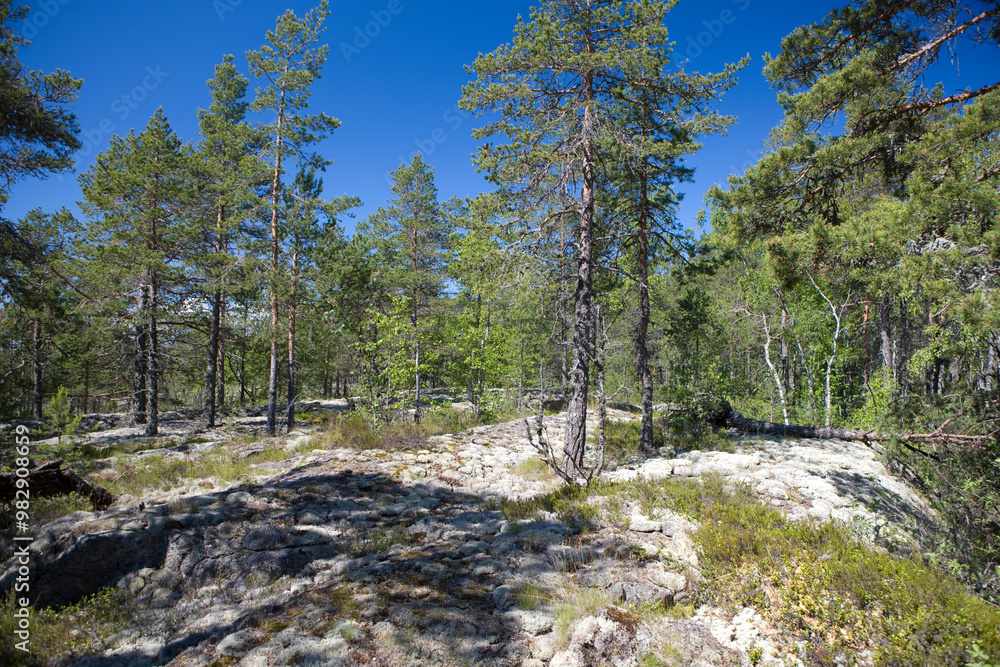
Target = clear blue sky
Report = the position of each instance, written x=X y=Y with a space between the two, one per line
x=394 y=95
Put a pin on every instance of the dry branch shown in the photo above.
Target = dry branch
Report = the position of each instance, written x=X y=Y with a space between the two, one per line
x=49 y=479
x=720 y=413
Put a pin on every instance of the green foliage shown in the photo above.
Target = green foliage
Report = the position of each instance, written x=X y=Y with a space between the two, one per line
x=78 y=630
x=60 y=415
x=882 y=390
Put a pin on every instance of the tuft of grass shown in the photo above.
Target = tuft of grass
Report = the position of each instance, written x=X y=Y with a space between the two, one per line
x=77 y=630
x=568 y=503
x=573 y=603
x=534 y=469
x=156 y=472
x=528 y=595
x=373 y=543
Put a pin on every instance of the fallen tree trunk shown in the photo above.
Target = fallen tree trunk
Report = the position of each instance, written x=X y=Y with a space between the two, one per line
x=719 y=413
x=49 y=479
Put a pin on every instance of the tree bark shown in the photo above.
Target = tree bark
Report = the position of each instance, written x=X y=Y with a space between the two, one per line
x=290 y=417
x=153 y=371
x=140 y=362
x=641 y=350
x=576 y=411
x=272 y=383
x=211 y=371
x=37 y=367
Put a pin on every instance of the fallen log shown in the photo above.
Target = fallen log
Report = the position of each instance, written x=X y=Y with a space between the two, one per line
x=49 y=479
x=719 y=413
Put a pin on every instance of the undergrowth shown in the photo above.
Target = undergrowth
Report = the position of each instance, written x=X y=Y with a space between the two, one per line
x=815 y=579
x=76 y=630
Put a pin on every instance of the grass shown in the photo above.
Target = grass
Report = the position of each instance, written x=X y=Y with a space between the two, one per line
x=77 y=630
x=355 y=431
x=134 y=477
x=534 y=469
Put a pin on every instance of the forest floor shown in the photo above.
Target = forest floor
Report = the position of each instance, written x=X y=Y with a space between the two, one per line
x=230 y=548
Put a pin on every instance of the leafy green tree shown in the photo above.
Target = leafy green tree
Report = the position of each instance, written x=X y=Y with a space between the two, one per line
x=287 y=65
x=137 y=196
x=885 y=208
x=411 y=236
x=61 y=414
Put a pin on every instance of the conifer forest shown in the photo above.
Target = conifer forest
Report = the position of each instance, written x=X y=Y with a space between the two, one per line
x=847 y=280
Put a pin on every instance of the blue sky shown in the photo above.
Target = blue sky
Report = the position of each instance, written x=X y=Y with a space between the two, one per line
x=394 y=89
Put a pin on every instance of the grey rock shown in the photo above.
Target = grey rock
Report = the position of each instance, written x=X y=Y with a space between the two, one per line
x=78 y=566
x=236 y=644
x=268 y=538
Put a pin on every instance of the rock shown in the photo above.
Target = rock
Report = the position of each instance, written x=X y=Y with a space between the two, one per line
x=614 y=637
x=239 y=498
x=638 y=593
x=236 y=644
x=503 y=596
x=640 y=524
x=268 y=538
x=697 y=647
x=531 y=622
x=77 y=566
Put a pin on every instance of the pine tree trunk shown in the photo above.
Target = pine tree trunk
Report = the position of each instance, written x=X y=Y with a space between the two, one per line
x=290 y=417
x=211 y=371
x=220 y=401
x=153 y=372
x=272 y=383
x=884 y=334
x=86 y=387
x=140 y=362
x=416 y=369
x=576 y=413
x=641 y=350
x=37 y=364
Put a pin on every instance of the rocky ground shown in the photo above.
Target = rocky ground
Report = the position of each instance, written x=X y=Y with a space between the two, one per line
x=373 y=557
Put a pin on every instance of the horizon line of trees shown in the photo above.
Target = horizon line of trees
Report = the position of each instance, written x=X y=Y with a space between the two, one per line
x=854 y=267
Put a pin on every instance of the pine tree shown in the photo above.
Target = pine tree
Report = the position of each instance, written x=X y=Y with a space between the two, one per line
x=37 y=136
x=136 y=197
x=411 y=234
x=555 y=90
x=228 y=155
x=287 y=65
